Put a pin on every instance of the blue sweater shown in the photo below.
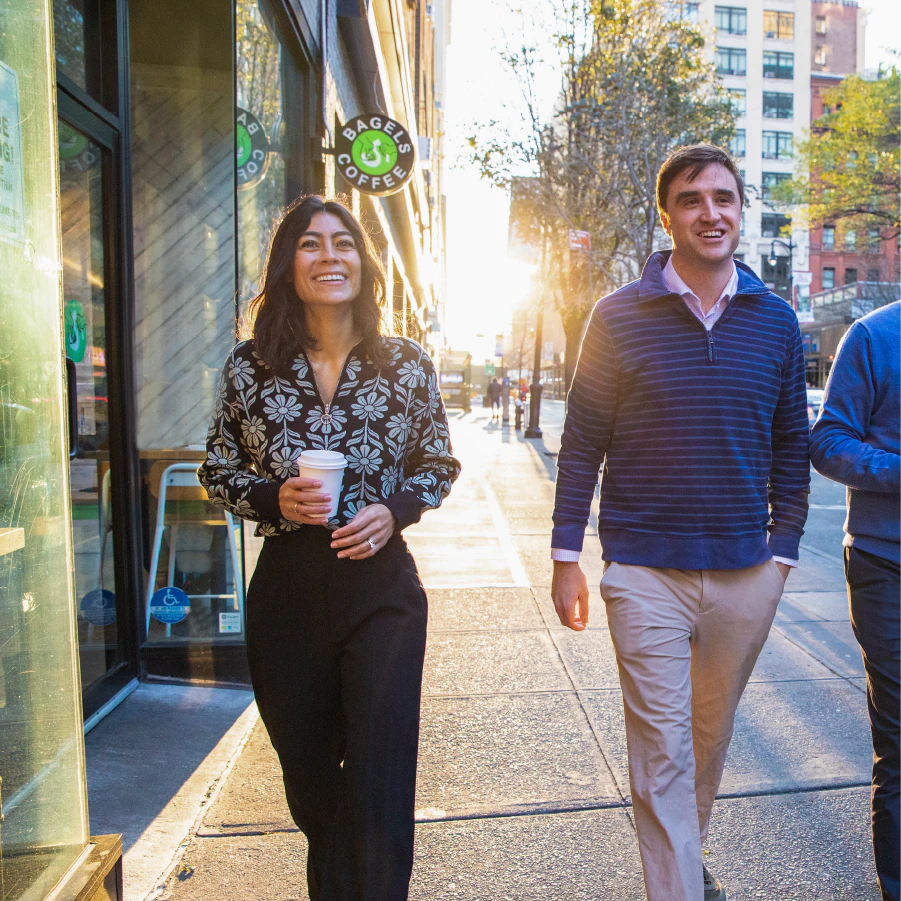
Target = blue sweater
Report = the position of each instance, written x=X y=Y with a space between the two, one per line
x=703 y=437
x=855 y=439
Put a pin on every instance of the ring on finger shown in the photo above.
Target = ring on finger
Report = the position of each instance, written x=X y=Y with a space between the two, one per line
x=295 y=507
x=371 y=543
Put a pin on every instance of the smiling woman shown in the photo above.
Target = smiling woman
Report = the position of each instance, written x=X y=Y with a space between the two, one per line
x=336 y=614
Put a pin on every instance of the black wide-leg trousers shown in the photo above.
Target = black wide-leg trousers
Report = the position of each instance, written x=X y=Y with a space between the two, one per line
x=336 y=651
x=874 y=586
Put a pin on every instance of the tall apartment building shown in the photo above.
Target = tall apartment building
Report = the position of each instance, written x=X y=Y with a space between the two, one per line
x=762 y=54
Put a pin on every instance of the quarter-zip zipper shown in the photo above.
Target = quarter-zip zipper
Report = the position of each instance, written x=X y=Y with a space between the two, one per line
x=326 y=415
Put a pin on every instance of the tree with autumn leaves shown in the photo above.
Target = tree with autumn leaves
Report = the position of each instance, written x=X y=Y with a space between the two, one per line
x=635 y=84
x=847 y=168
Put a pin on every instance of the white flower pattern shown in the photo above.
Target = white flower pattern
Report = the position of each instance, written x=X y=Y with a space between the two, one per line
x=388 y=421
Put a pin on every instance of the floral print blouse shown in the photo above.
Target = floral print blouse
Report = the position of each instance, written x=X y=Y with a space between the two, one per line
x=387 y=420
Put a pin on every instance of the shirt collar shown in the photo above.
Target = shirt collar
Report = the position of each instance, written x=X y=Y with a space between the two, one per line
x=675 y=284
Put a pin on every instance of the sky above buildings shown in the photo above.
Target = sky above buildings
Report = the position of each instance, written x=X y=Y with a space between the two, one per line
x=483 y=284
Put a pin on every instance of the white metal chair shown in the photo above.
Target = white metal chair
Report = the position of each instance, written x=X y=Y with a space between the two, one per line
x=181 y=476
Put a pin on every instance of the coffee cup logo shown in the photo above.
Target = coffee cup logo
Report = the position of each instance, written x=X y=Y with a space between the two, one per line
x=252 y=148
x=375 y=154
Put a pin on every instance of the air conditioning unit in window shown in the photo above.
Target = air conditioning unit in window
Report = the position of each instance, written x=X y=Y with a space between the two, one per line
x=425 y=152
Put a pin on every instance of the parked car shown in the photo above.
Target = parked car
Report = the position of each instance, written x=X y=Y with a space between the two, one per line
x=814 y=402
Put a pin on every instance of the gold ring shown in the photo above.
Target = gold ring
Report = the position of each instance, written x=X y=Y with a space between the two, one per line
x=295 y=507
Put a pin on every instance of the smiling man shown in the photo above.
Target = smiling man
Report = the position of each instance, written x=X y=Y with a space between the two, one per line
x=690 y=393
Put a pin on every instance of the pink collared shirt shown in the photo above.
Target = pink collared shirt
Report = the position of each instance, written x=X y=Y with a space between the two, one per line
x=672 y=281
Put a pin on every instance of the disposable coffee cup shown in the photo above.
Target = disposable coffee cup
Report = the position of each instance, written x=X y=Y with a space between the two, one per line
x=326 y=467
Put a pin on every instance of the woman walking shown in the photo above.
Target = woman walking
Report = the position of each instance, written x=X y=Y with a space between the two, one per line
x=336 y=614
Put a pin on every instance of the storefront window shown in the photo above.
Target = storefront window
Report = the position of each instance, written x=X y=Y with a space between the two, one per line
x=42 y=789
x=183 y=164
x=263 y=138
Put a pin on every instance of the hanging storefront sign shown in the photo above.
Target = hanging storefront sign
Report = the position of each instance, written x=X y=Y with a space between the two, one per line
x=375 y=154
x=253 y=148
x=801 y=281
x=12 y=173
x=170 y=605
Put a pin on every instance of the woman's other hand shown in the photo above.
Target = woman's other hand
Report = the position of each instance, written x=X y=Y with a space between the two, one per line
x=301 y=500
x=366 y=533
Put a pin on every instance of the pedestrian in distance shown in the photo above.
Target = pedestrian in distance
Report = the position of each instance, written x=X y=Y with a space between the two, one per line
x=494 y=398
x=689 y=391
x=855 y=441
x=336 y=613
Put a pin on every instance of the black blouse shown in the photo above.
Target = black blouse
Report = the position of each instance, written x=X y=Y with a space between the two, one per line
x=387 y=420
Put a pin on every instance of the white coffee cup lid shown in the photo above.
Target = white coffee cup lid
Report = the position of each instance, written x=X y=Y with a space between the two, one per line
x=322 y=459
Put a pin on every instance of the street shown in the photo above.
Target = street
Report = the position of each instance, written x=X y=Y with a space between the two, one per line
x=523 y=790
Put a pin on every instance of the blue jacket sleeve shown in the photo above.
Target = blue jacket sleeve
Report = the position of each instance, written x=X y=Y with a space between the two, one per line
x=789 y=483
x=839 y=448
x=586 y=434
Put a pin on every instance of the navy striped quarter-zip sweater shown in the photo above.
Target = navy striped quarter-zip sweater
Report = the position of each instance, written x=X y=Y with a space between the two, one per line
x=703 y=437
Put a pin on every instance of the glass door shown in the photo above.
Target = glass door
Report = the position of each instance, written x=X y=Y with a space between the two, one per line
x=81 y=170
x=44 y=826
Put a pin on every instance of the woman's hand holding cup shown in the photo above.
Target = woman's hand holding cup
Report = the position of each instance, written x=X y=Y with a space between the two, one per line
x=301 y=500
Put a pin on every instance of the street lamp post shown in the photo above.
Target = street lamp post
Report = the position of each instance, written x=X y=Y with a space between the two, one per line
x=790 y=247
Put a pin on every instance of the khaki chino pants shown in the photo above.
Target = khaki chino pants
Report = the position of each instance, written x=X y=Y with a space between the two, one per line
x=686 y=642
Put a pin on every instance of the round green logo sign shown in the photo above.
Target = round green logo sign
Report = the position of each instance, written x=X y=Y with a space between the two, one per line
x=252 y=148
x=375 y=154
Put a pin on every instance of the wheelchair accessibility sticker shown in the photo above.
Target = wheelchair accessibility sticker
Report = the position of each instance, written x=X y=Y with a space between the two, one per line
x=98 y=607
x=170 y=605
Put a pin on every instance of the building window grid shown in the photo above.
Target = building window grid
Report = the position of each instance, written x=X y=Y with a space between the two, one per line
x=778 y=25
x=873 y=240
x=821 y=25
x=738 y=144
x=828 y=278
x=738 y=97
x=731 y=19
x=873 y=275
x=850 y=241
x=768 y=181
x=778 y=105
x=778 y=64
x=777 y=145
x=771 y=224
x=731 y=61
x=828 y=237
x=850 y=276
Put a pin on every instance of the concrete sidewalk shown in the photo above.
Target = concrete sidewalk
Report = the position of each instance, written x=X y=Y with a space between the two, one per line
x=523 y=790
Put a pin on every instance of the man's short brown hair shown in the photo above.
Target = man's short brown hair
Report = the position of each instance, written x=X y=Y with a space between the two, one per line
x=695 y=158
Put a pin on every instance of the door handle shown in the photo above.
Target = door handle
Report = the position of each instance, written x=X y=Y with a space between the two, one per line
x=72 y=406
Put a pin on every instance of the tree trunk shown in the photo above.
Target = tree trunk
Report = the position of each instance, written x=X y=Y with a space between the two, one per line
x=573 y=328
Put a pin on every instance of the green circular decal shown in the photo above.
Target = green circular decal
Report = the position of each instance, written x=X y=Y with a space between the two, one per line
x=71 y=142
x=245 y=145
x=374 y=152
x=252 y=146
x=75 y=330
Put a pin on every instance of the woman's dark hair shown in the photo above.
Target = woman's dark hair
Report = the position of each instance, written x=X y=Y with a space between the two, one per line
x=695 y=158
x=277 y=316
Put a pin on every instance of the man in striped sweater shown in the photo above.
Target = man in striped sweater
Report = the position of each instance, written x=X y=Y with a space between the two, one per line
x=690 y=392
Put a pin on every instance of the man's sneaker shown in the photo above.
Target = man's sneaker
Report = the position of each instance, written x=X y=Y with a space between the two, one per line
x=713 y=891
